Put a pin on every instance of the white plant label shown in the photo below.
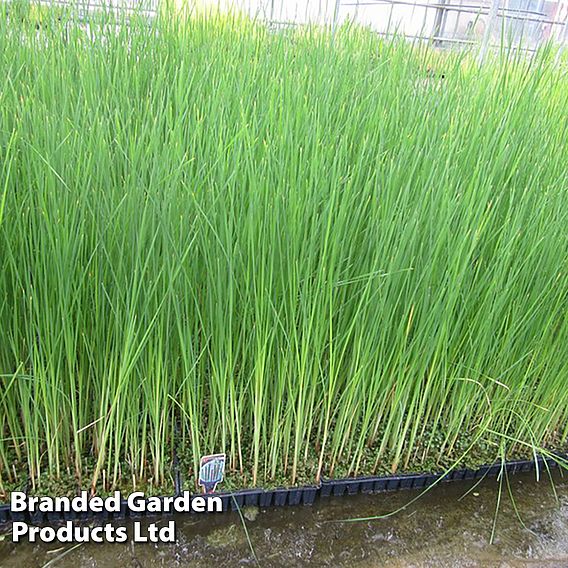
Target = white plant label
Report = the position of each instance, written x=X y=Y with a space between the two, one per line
x=211 y=471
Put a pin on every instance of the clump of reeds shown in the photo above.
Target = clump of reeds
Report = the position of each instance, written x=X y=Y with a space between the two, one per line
x=276 y=246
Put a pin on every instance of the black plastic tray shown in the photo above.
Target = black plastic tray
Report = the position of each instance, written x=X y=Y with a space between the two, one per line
x=232 y=501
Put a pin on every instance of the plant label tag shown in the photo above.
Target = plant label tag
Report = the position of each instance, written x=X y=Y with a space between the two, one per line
x=211 y=471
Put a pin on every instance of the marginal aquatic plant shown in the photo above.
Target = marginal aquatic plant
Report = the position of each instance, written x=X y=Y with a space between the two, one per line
x=277 y=244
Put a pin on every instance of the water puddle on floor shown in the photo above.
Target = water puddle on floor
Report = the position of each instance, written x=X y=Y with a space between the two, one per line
x=443 y=528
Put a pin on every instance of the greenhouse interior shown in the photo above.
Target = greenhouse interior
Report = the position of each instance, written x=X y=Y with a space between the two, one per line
x=300 y=262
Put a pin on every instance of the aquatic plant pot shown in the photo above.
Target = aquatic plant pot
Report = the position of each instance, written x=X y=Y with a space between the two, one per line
x=38 y=518
x=352 y=486
x=309 y=495
x=236 y=500
x=408 y=482
x=72 y=516
x=53 y=516
x=226 y=499
x=419 y=481
x=338 y=487
x=489 y=471
x=124 y=510
x=458 y=475
x=295 y=496
x=17 y=516
x=252 y=498
x=280 y=497
x=367 y=485
x=277 y=497
x=344 y=486
x=550 y=462
x=265 y=500
x=270 y=497
x=469 y=474
x=519 y=466
x=431 y=479
x=245 y=498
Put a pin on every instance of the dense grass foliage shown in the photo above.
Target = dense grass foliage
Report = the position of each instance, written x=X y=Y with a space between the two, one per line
x=312 y=254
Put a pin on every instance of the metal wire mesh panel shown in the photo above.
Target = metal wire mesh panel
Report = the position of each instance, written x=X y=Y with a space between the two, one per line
x=514 y=22
x=524 y=24
x=521 y=23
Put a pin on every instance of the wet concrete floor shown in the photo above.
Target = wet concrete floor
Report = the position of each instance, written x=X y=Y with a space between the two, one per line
x=447 y=527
